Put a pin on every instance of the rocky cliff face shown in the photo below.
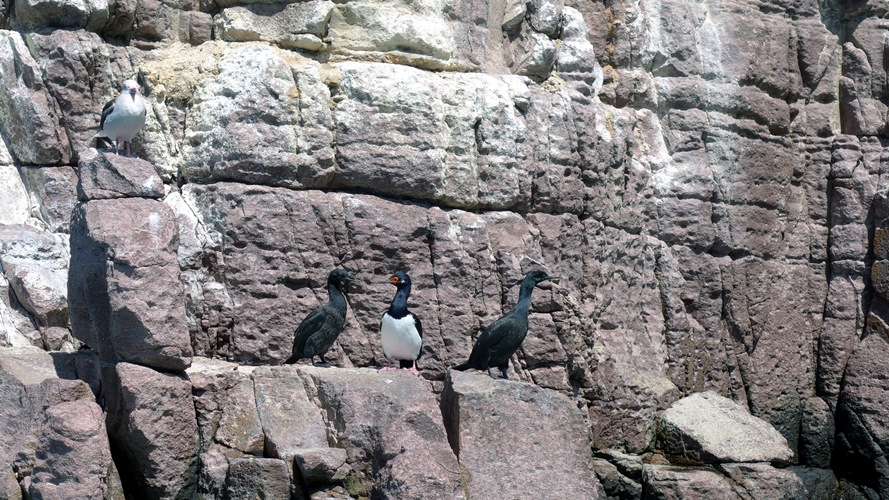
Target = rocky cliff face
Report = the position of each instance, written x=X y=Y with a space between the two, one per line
x=706 y=178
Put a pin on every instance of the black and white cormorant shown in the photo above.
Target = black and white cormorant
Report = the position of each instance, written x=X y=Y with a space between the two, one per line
x=503 y=337
x=400 y=330
x=317 y=333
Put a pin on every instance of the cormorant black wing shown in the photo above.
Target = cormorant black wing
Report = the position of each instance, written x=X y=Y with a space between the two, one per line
x=494 y=339
x=312 y=323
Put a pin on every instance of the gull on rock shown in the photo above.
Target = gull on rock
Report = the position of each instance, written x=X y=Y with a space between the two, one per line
x=123 y=117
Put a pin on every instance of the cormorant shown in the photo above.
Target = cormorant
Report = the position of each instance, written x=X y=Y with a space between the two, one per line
x=503 y=337
x=400 y=330
x=317 y=333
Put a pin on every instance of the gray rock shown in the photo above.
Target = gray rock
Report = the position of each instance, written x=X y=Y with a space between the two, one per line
x=151 y=420
x=296 y=26
x=663 y=482
x=760 y=480
x=15 y=206
x=82 y=73
x=322 y=465
x=514 y=439
x=34 y=263
x=37 y=138
x=257 y=478
x=55 y=191
x=817 y=434
x=73 y=455
x=123 y=252
x=387 y=424
x=708 y=428
x=290 y=419
x=107 y=176
x=264 y=119
x=32 y=14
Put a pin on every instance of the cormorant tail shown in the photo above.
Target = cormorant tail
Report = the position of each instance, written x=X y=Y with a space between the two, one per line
x=462 y=367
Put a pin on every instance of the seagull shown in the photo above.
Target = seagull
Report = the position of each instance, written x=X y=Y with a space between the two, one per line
x=320 y=329
x=503 y=337
x=123 y=117
x=400 y=330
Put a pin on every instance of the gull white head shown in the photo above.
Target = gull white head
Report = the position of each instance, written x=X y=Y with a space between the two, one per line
x=130 y=86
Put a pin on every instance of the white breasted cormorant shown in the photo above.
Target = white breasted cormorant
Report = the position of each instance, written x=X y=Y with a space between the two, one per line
x=400 y=329
x=503 y=337
x=317 y=333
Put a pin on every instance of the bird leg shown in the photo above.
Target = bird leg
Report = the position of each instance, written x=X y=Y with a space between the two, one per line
x=388 y=366
x=116 y=146
x=413 y=369
x=324 y=362
x=503 y=371
x=491 y=374
x=126 y=146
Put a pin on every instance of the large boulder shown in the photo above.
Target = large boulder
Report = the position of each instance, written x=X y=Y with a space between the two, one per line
x=37 y=137
x=51 y=430
x=517 y=440
x=708 y=428
x=73 y=454
x=109 y=176
x=35 y=265
x=264 y=118
x=123 y=252
x=861 y=453
x=290 y=418
x=151 y=420
x=389 y=426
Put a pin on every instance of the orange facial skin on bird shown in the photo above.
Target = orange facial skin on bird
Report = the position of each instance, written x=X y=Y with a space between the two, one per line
x=393 y=280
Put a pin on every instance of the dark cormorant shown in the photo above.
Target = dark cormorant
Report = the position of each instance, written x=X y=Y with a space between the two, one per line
x=503 y=337
x=317 y=333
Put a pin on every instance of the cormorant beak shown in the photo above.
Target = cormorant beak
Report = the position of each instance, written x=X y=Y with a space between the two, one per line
x=554 y=279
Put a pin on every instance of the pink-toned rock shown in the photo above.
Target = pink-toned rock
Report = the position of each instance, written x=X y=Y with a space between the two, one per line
x=73 y=455
x=663 y=482
x=290 y=419
x=108 y=175
x=37 y=137
x=517 y=440
x=257 y=478
x=389 y=425
x=151 y=420
x=124 y=292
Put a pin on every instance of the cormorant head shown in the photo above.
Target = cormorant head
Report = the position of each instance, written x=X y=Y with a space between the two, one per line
x=400 y=279
x=537 y=276
x=340 y=278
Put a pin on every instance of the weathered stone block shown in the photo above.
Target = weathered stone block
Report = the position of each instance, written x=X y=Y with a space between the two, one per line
x=123 y=252
x=151 y=420
x=388 y=426
x=708 y=428
x=107 y=176
x=515 y=439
